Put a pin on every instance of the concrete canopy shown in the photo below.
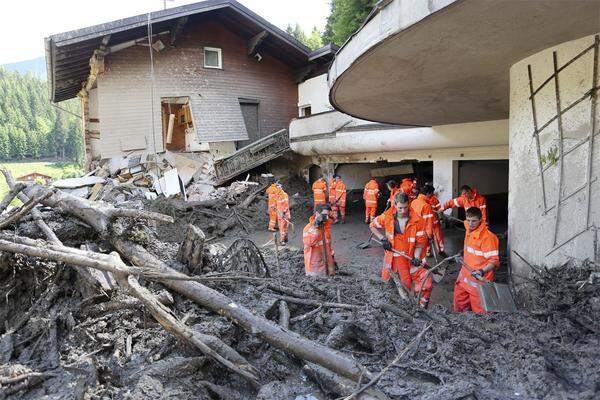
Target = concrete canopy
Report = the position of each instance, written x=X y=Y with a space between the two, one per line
x=436 y=62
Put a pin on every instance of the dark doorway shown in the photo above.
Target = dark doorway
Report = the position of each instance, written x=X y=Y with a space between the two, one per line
x=490 y=178
x=251 y=120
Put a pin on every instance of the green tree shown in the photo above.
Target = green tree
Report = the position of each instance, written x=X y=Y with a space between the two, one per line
x=314 y=41
x=30 y=126
x=346 y=17
x=297 y=32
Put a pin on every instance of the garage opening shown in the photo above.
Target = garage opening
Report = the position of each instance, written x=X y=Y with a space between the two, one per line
x=490 y=178
x=357 y=175
x=178 y=129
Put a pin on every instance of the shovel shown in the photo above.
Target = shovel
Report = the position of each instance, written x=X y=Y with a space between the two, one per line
x=495 y=297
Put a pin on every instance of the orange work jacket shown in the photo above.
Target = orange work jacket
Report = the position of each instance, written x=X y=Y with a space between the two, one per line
x=463 y=201
x=436 y=207
x=272 y=196
x=420 y=208
x=481 y=248
x=283 y=205
x=339 y=194
x=371 y=193
x=319 y=189
x=413 y=229
x=312 y=238
x=408 y=186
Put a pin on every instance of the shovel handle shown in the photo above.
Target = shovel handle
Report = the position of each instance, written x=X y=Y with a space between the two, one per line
x=400 y=253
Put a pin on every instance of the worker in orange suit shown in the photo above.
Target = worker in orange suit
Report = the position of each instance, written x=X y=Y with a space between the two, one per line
x=283 y=215
x=468 y=198
x=370 y=196
x=271 y=192
x=394 y=189
x=420 y=208
x=409 y=186
x=481 y=259
x=434 y=202
x=401 y=230
x=316 y=236
x=319 y=189
x=338 y=200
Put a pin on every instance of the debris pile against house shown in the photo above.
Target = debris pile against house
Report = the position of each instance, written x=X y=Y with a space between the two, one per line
x=134 y=300
x=144 y=176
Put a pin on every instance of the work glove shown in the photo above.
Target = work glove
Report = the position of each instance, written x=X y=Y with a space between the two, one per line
x=385 y=243
x=478 y=274
x=415 y=261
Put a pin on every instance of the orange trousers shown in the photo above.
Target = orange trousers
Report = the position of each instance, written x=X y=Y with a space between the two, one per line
x=283 y=229
x=466 y=298
x=438 y=235
x=272 y=220
x=370 y=213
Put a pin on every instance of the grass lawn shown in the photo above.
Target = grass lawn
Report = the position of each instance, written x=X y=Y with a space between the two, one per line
x=55 y=169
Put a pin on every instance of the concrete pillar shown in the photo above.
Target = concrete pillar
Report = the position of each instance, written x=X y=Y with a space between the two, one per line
x=531 y=225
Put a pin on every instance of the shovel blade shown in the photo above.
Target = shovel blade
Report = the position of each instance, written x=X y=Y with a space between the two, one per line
x=496 y=297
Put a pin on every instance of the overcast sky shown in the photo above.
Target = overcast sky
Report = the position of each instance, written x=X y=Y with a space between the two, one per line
x=25 y=23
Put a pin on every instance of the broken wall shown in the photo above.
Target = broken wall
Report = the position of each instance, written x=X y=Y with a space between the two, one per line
x=532 y=224
x=124 y=90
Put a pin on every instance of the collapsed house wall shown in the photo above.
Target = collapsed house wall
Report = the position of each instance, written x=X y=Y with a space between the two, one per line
x=547 y=234
x=124 y=90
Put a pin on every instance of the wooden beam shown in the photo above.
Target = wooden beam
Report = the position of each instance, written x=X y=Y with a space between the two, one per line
x=177 y=29
x=255 y=41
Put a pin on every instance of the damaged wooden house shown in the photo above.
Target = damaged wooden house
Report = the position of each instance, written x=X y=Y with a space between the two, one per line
x=202 y=80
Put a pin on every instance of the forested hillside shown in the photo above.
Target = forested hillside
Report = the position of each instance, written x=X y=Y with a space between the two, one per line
x=30 y=127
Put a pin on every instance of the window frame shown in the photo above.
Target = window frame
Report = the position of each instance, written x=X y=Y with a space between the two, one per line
x=219 y=52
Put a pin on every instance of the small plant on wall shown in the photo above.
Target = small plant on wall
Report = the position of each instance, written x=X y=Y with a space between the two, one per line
x=551 y=156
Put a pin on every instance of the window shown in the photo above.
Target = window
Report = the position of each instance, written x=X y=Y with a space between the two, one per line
x=305 y=111
x=213 y=58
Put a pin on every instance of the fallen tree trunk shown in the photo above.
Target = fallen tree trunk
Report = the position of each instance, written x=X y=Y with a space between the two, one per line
x=272 y=333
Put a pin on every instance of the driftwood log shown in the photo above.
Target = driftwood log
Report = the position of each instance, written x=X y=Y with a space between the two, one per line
x=100 y=217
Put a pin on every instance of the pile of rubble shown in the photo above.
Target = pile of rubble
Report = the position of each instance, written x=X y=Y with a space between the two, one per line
x=123 y=310
x=148 y=176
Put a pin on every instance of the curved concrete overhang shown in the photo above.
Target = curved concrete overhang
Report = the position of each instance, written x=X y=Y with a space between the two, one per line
x=436 y=62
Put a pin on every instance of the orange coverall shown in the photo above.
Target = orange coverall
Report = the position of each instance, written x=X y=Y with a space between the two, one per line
x=370 y=195
x=481 y=248
x=283 y=214
x=408 y=186
x=337 y=199
x=420 y=208
x=476 y=200
x=436 y=207
x=406 y=242
x=319 y=189
x=272 y=205
x=312 y=237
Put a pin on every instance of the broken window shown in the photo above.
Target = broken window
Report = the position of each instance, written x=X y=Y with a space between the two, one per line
x=213 y=58
x=179 y=133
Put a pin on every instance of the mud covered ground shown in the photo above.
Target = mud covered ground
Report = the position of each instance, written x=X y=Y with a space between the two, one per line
x=77 y=341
